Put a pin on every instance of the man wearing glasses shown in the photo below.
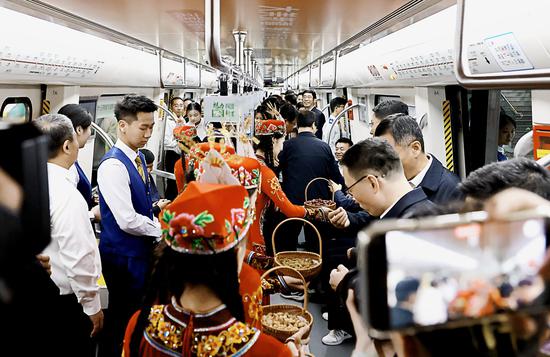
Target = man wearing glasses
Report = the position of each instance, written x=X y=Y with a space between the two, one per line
x=374 y=176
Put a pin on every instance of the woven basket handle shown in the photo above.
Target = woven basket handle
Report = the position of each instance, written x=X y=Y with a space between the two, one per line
x=296 y=275
x=315 y=179
x=296 y=219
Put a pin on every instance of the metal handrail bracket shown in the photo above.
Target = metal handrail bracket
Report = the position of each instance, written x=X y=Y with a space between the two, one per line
x=351 y=107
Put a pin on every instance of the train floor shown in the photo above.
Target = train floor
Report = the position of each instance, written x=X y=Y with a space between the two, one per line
x=319 y=329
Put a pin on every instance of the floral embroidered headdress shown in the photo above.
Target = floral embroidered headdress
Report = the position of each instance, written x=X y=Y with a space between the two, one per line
x=207 y=218
x=269 y=127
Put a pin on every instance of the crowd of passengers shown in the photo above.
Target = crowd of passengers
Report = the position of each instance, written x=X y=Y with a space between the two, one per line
x=184 y=271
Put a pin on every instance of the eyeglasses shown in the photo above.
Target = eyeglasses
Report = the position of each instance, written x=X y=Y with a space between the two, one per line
x=348 y=190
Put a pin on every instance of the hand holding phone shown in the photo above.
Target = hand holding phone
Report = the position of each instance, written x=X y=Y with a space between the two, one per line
x=452 y=270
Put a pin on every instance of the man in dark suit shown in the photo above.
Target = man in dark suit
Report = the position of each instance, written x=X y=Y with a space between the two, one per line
x=421 y=169
x=309 y=99
x=374 y=176
x=303 y=159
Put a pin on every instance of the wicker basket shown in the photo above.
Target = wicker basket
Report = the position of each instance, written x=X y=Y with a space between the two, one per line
x=309 y=203
x=282 y=335
x=310 y=272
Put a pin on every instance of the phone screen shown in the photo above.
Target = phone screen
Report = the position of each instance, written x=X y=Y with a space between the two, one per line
x=463 y=272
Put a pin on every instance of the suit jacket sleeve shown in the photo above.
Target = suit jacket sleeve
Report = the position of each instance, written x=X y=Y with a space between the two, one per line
x=320 y=121
x=345 y=202
x=358 y=221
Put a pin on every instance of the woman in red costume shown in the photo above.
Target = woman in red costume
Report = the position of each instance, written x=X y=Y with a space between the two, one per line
x=197 y=271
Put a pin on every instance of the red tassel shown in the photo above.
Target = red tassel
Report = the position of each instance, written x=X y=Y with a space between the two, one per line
x=188 y=338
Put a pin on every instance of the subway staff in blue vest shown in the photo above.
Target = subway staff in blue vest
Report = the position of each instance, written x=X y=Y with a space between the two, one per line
x=82 y=123
x=129 y=229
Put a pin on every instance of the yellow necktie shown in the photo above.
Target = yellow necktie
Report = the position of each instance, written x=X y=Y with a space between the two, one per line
x=140 y=168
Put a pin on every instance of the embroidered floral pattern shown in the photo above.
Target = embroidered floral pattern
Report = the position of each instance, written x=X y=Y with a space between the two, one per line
x=275 y=187
x=268 y=127
x=254 y=302
x=170 y=335
x=187 y=232
x=226 y=343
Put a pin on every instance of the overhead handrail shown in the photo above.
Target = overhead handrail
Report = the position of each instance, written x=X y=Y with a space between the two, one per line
x=336 y=54
x=524 y=145
x=212 y=35
x=212 y=40
x=403 y=13
x=163 y=174
x=325 y=108
x=351 y=107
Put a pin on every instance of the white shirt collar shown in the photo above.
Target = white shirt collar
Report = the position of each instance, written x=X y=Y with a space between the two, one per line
x=417 y=180
x=57 y=171
x=126 y=150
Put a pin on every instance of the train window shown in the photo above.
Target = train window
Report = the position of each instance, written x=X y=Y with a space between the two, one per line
x=515 y=104
x=16 y=110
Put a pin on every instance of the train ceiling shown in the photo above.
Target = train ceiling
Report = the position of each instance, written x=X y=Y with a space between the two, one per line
x=284 y=34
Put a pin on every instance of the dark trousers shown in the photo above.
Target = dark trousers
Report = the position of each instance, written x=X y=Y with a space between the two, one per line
x=170 y=159
x=125 y=278
x=336 y=254
x=78 y=326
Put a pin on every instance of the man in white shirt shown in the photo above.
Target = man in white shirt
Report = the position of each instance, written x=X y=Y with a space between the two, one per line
x=337 y=105
x=129 y=229
x=172 y=151
x=73 y=251
x=342 y=145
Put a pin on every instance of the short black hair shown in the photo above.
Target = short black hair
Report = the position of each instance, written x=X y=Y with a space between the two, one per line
x=149 y=156
x=128 y=108
x=372 y=154
x=288 y=112
x=505 y=119
x=312 y=92
x=79 y=116
x=291 y=98
x=334 y=102
x=403 y=128
x=58 y=128
x=306 y=119
x=495 y=177
x=193 y=106
x=405 y=288
x=389 y=107
x=344 y=141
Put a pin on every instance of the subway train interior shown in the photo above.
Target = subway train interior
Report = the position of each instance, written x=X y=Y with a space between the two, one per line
x=473 y=81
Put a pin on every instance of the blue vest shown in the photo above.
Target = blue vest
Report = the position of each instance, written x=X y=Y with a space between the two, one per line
x=84 y=186
x=113 y=239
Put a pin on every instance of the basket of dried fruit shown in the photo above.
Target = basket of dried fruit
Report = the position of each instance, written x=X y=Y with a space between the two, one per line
x=284 y=320
x=307 y=263
x=318 y=202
